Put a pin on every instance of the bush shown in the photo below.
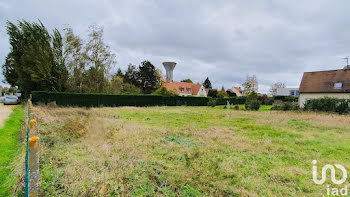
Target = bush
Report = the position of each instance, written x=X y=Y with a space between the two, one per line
x=252 y=102
x=96 y=100
x=286 y=98
x=212 y=103
x=327 y=104
x=222 y=94
x=285 y=106
x=162 y=91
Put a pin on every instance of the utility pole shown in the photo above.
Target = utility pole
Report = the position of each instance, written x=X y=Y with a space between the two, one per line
x=347 y=60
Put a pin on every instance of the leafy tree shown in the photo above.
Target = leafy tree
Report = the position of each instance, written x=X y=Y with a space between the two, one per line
x=250 y=85
x=130 y=89
x=212 y=93
x=131 y=75
x=188 y=80
x=222 y=94
x=117 y=86
x=163 y=91
x=207 y=83
x=33 y=62
x=75 y=61
x=119 y=73
x=99 y=59
x=275 y=86
x=148 y=77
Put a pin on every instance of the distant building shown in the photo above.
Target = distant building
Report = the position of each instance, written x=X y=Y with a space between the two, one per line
x=287 y=92
x=329 y=83
x=235 y=91
x=186 y=89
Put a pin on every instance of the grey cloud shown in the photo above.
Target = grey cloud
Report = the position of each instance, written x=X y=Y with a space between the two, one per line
x=225 y=40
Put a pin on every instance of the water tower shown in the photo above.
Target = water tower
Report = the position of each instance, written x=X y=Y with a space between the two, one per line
x=169 y=67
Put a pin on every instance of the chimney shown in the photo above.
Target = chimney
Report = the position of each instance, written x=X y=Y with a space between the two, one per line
x=169 y=67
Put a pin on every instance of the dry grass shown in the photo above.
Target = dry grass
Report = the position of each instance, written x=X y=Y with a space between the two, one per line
x=185 y=151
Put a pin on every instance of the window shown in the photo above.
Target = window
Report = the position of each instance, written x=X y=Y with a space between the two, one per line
x=292 y=92
x=338 y=85
x=189 y=90
x=182 y=89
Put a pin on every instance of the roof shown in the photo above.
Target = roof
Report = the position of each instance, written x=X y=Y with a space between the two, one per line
x=236 y=89
x=324 y=81
x=189 y=88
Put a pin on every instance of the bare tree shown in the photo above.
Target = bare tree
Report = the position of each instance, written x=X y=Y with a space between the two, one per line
x=250 y=85
x=275 y=86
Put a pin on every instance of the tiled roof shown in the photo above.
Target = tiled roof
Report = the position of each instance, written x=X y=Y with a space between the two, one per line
x=183 y=87
x=330 y=81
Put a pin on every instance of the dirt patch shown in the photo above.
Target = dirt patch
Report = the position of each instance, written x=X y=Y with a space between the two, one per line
x=4 y=113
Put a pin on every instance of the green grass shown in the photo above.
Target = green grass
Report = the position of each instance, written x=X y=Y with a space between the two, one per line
x=188 y=151
x=10 y=147
x=242 y=107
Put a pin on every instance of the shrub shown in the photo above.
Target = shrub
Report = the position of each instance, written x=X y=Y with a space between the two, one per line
x=327 y=104
x=222 y=94
x=252 y=102
x=96 y=100
x=285 y=106
x=162 y=91
x=236 y=107
x=212 y=103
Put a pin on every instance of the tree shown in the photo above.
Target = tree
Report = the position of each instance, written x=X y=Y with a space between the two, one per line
x=207 y=83
x=99 y=60
x=148 y=77
x=131 y=75
x=34 y=61
x=119 y=73
x=164 y=92
x=250 y=85
x=212 y=93
x=275 y=86
x=118 y=86
x=222 y=88
x=222 y=94
x=188 y=80
x=75 y=61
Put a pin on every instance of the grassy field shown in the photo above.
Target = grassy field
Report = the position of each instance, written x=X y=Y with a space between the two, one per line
x=186 y=151
x=10 y=149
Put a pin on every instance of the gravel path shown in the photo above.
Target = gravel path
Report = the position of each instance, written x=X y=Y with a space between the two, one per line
x=4 y=113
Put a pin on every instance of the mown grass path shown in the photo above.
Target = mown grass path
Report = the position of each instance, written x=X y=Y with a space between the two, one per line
x=9 y=147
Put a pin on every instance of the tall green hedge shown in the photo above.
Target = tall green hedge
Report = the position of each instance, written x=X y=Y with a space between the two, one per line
x=95 y=100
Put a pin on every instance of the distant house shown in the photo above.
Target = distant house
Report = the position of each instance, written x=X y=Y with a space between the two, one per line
x=329 y=83
x=235 y=91
x=287 y=92
x=186 y=89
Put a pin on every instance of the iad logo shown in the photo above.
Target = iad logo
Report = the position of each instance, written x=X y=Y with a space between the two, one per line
x=324 y=175
x=331 y=191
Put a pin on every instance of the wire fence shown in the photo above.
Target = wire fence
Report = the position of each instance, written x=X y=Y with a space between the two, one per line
x=26 y=181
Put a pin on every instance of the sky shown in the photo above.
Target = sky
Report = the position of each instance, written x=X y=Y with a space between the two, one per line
x=224 y=40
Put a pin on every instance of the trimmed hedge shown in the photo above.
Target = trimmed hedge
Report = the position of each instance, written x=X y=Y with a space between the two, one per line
x=286 y=98
x=327 y=104
x=96 y=100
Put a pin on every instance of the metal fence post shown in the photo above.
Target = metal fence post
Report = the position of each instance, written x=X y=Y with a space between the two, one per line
x=34 y=166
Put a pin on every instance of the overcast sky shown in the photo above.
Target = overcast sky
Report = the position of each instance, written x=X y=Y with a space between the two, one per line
x=225 y=40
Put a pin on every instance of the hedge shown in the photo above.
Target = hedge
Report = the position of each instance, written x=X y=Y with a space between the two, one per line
x=95 y=100
x=326 y=104
x=286 y=98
